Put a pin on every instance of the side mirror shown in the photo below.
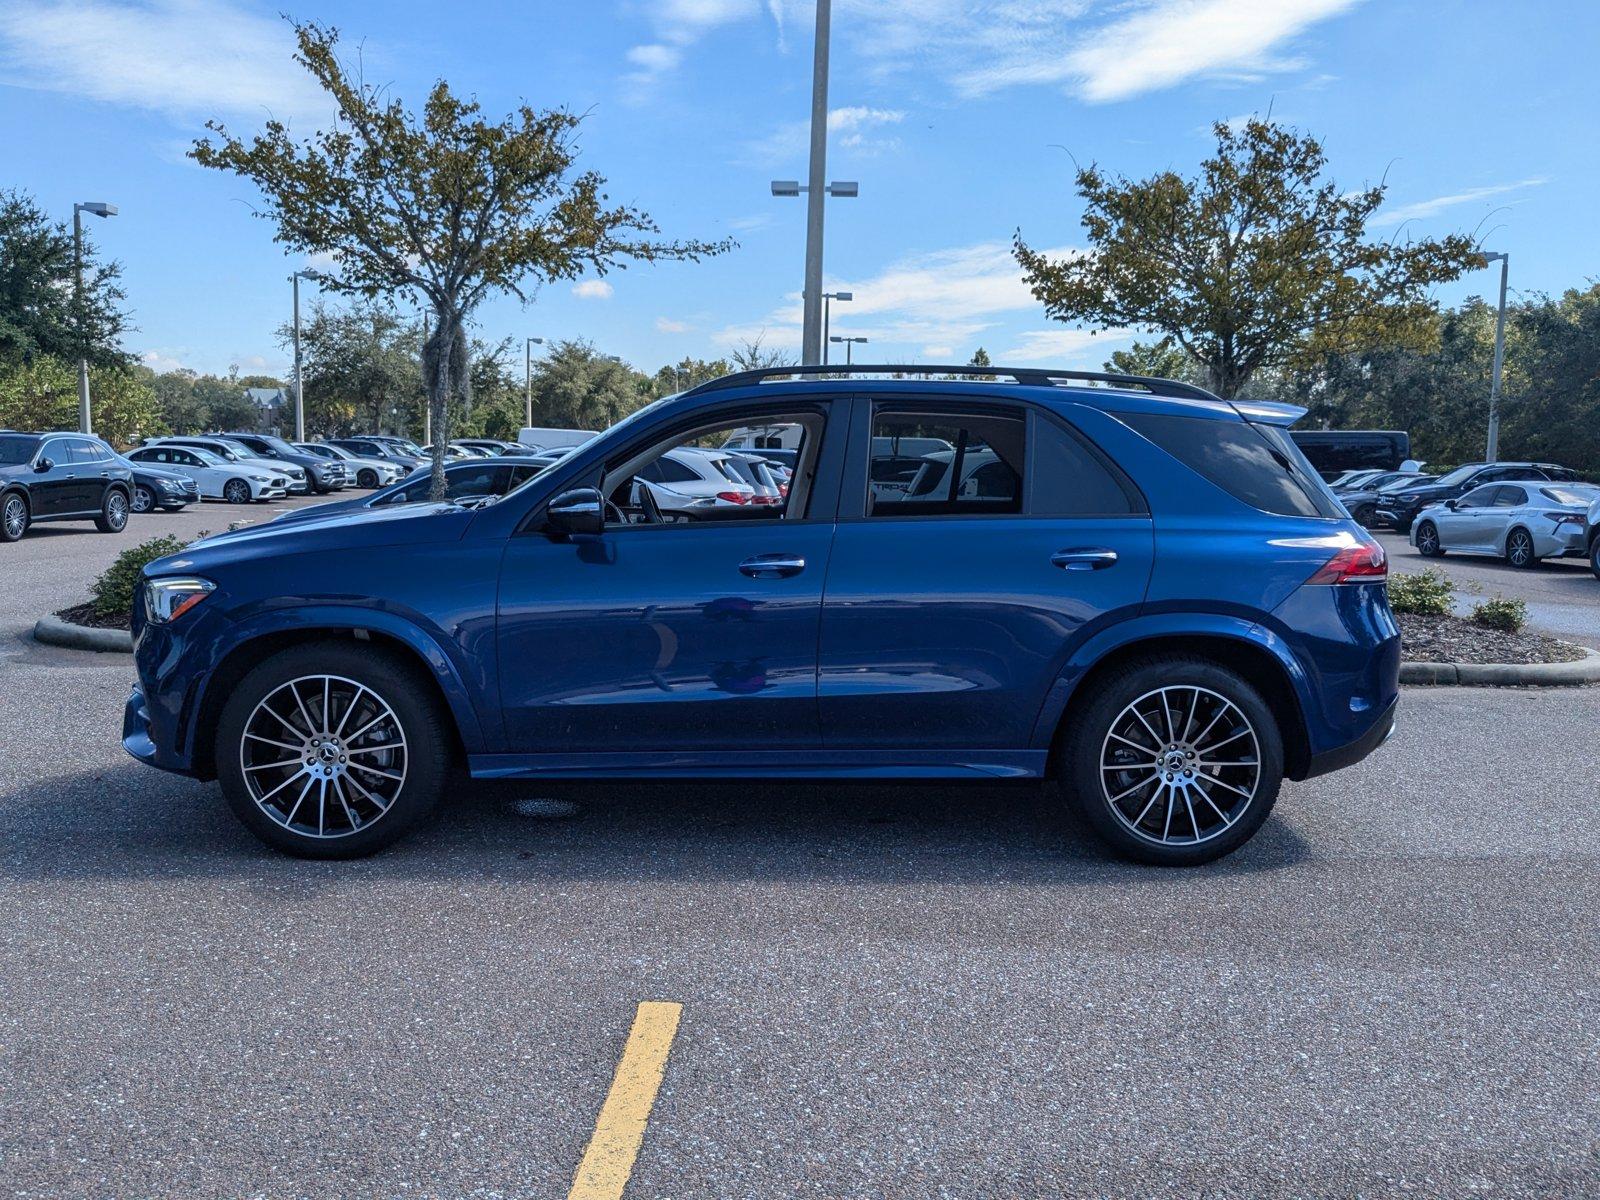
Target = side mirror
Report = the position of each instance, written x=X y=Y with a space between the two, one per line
x=1450 y=504
x=579 y=512
x=44 y=464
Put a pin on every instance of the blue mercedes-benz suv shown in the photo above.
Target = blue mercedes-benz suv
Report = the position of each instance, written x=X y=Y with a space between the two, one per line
x=1125 y=586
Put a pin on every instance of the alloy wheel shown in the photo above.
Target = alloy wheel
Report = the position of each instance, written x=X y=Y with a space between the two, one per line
x=1519 y=549
x=1180 y=765
x=323 y=756
x=237 y=491
x=143 y=501
x=1428 y=539
x=116 y=510
x=16 y=517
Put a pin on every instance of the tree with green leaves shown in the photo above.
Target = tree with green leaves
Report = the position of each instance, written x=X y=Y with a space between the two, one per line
x=42 y=315
x=1259 y=262
x=360 y=369
x=43 y=394
x=445 y=205
x=1163 y=359
x=577 y=387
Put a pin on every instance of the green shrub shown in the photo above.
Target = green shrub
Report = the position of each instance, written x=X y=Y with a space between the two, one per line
x=1508 y=616
x=113 y=591
x=1429 y=594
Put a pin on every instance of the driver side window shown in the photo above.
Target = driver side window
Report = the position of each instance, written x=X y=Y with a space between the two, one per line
x=715 y=473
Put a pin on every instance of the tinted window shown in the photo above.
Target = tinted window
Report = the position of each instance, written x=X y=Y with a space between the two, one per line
x=16 y=449
x=1257 y=464
x=1510 y=497
x=1069 y=480
x=1479 y=497
x=84 y=452
x=1561 y=473
x=57 y=451
x=981 y=472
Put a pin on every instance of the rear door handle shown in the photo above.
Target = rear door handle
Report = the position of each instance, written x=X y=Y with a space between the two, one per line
x=1089 y=558
x=772 y=566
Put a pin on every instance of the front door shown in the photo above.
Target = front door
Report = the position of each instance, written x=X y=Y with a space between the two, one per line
x=954 y=598
x=54 y=493
x=670 y=632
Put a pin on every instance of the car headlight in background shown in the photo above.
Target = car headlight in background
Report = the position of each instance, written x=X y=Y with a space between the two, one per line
x=167 y=599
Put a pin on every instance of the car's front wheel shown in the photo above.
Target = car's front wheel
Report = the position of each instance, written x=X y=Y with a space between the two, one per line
x=13 y=517
x=331 y=750
x=1172 y=760
x=1428 y=544
x=113 y=516
x=1519 y=549
x=367 y=478
x=236 y=491
x=144 y=500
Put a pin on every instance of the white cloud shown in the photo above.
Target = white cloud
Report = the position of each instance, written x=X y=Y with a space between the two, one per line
x=668 y=325
x=1061 y=347
x=593 y=289
x=849 y=127
x=678 y=25
x=655 y=58
x=1421 y=209
x=187 y=59
x=934 y=301
x=162 y=361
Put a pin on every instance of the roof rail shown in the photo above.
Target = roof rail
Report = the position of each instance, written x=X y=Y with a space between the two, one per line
x=1032 y=376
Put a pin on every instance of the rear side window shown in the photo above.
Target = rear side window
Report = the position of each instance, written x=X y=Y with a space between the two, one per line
x=1257 y=464
x=934 y=464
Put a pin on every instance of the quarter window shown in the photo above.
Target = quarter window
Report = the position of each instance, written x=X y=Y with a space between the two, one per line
x=1257 y=464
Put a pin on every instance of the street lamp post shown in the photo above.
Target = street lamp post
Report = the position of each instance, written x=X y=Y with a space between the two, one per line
x=527 y=379
x=826 y=297
x=299 y=383
x=97 y=208
x=850 y=343
x=1493 y=451
x=811 y=341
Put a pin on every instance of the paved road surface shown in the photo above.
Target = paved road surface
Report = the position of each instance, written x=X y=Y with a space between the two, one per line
x=887 y=991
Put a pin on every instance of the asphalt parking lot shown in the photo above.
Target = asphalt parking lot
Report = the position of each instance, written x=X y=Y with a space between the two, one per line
x=1562 y=594
x=887 y=991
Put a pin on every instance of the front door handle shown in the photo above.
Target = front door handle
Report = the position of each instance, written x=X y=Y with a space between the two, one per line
x=1093 y=558
x=772 y=566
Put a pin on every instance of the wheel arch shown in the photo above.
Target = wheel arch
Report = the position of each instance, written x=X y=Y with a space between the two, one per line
x=1239 y=646
x=413 y=649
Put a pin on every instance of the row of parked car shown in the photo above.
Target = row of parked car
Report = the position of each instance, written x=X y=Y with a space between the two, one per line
x=1523 y=512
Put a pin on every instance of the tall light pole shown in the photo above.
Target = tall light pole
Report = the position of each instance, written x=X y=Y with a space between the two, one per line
x=100 y=209
x=811 y=341
x=826 y=297
x=1493 y=451
x=527 y=379
x=299 y=383
x=850 y=343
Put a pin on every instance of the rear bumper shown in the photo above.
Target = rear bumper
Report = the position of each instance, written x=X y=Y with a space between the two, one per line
x=1353 y=752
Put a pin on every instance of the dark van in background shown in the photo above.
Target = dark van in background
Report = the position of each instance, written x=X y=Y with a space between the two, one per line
x=1335 y=451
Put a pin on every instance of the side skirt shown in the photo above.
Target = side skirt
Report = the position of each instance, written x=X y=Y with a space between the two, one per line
x=777 y=764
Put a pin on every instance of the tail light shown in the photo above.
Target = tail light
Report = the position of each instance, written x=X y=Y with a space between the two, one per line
x=734 y=497
x=1364 y=562
x=1565 y=518
x=783 y=490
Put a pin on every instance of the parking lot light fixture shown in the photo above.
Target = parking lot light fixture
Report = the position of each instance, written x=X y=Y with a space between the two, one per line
x=850 y=343
x=1492 y=453
x=527 y=378
x=826 y=298
x=97 y=208
x=299 y=383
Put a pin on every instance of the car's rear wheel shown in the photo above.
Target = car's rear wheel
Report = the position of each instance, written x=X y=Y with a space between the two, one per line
x=113 y=516
x=236 y=491
x=331 y=750
x=367 y=478
x=1519 y=549
x=1174 y=760
x=1428 y=544
x=1594 y=557
x=144 y=500
x=13 y=517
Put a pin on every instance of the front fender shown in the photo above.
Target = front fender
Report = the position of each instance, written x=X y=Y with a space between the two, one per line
x=1150 y=627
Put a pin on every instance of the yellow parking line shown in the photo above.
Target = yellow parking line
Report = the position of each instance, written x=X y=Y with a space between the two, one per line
x=608 y=1161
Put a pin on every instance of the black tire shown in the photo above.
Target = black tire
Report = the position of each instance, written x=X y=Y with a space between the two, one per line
x=144 y=500
x=367 y=478
x=1594 y=557
x=1093 y=721
x=1402 y=527
x=1519 y=550
x=422 y=725
x=15 y=516
x=1365 y=515
x=236 y=491
x=113 y=516
x=173 y=507
x=1428 y=541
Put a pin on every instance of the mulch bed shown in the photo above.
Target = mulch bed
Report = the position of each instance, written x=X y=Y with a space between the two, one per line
x=1454 y=640
x=84 y=614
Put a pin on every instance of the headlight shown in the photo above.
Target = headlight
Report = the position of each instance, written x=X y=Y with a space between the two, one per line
x=170 y=485
x=167 y=599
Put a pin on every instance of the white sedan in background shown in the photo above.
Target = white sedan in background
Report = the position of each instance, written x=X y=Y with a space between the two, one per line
x=685 y=482
x=363 y=472
x=1520 y=520
x=236 y=482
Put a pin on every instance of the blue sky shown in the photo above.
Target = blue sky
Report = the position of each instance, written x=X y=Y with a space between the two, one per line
x=960 y=120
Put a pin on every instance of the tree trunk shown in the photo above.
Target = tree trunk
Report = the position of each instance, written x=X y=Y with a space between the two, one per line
x=438 y=373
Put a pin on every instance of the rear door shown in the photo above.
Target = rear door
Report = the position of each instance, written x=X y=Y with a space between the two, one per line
x=952 y=604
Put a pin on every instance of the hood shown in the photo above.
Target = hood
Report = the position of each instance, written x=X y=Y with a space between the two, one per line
x=15 y=470
x=364 y=529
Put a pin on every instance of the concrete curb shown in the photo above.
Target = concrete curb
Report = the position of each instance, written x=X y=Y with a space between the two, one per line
x=1585 y=670
x=53 y=631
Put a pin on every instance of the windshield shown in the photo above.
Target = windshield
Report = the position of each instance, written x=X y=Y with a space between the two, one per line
x=16 y=449
x=205 y=456
x=1459 y=475
x=408 y=447
x=278 y=444
x=1399 y=485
